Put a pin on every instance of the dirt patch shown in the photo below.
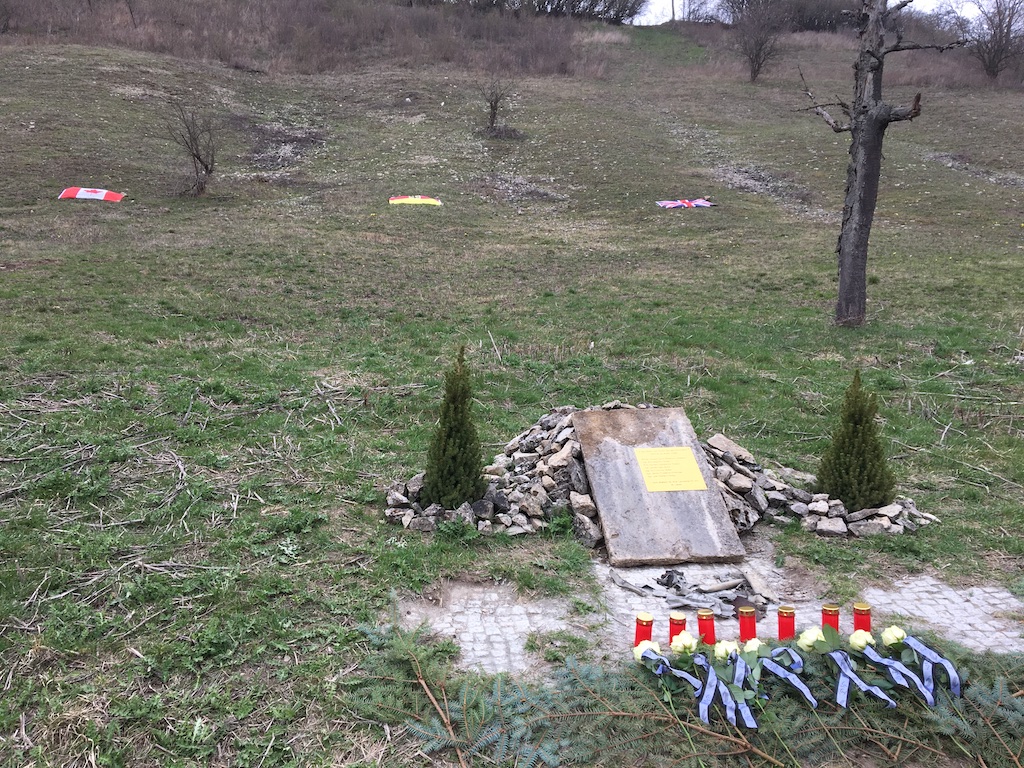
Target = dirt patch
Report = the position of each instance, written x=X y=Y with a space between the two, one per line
x=517 y=189
x=278 y=146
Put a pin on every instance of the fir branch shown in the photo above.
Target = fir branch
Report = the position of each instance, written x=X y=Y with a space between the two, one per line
x=988 y=722
x=440 y=712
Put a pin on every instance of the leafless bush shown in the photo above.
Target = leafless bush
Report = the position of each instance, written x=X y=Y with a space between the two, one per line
x=759 y=26
x=995 y=37
x=495 y=93
x=196 y=135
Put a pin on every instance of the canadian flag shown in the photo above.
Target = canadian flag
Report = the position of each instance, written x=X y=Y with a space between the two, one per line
x=86 y=193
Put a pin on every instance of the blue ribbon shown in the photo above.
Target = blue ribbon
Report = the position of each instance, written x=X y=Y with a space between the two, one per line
x=847 y=675
x=931 y=658
x=740 y=675
x=796 y=663
x=665 y=666
x=896 y=671
x=715 y=685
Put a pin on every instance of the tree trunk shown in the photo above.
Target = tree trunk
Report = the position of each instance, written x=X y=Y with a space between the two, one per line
x=869 y=116
x=862 y=176
x=868 y=120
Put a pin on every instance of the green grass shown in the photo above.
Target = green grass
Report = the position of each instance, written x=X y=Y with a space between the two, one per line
x=202 y=402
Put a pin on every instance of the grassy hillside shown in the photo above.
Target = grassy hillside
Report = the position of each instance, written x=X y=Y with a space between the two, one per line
x=203 y=400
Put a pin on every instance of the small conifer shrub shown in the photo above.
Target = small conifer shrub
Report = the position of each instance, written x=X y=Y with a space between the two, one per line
x=454 y=471
x=854 y=468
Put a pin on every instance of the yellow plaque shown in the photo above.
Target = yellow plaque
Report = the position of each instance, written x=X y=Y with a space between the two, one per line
x=670 y=469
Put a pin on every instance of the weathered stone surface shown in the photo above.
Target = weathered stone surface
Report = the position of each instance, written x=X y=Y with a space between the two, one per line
x=799 y=494
x=578 y=477
x=724 y=444
x=810 y=523
x=486 y=527
x=799 y=508
x=757 y=499
x=830 y=526
x=396 y=499
x=818 y=507
x=563 y=457
x=691 y=526
x=861 y=514
x=466 y=514
x=724 y=472
x=415 y=485
x=531 y=507
x=776 y=498
x=582 y=504
x=868 y=527
x=892 y=511
x=425 y=524
x=740 y=483
x=836 y=508
x=588 y=533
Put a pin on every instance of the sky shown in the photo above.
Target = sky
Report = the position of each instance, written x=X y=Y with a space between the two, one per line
x=658 y=11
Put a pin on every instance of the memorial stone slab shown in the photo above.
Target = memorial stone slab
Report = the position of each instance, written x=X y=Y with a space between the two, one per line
x=654 y=488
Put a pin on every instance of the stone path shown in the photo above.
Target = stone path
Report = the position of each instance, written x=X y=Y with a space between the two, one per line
x=492 y=624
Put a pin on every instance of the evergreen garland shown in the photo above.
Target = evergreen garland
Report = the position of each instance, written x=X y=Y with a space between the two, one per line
x=854 y=468
x=454 y=471
x=593 y=716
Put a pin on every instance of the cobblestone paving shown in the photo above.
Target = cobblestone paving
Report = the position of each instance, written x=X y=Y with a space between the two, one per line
x=491 y=623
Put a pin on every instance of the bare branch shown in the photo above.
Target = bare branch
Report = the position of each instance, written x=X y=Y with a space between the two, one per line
x=901 y=46
x=197 y=135
x=820 y=111
x=906 y=113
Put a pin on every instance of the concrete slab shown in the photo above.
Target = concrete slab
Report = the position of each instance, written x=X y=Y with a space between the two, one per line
x=642 y=524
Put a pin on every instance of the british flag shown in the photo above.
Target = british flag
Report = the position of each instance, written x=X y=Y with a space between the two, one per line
x=700 y=202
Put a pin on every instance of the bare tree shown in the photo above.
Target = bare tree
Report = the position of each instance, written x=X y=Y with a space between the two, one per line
x=495 y=93
x=197 y=135
x=995 y=36
x=759 y=26
x=868 y=117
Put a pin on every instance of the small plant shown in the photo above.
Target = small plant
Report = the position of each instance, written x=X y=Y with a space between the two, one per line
x=495 y=93
x=455 y=457
x=854 y=468
x=197 y=135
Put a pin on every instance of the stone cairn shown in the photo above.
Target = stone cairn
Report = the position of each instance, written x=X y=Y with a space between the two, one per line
x=540 y=476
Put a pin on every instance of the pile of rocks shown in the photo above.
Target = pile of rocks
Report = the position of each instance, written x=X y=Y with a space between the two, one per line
x=540 y=476
x=751 y=493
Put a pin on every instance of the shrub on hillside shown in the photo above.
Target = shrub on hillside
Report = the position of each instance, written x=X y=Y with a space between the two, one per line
x=454 y=471
x=854 y=468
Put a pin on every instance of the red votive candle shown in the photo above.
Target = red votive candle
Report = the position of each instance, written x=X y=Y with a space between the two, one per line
x=787 y=622
x=748 y=623
x=644 y=626
x=830 y=616
x=676 y=624
x=706 y=625
x=861 y=617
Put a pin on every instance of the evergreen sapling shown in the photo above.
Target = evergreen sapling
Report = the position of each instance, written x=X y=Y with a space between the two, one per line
x=854 y=468
x=454 y=472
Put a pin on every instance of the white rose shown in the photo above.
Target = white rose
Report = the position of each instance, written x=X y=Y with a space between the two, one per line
x=893 y=635
x=684 y=642
x=809 y=637
x=725 y=648
x=752 y=645
x=645 y=645
x=861 y=639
